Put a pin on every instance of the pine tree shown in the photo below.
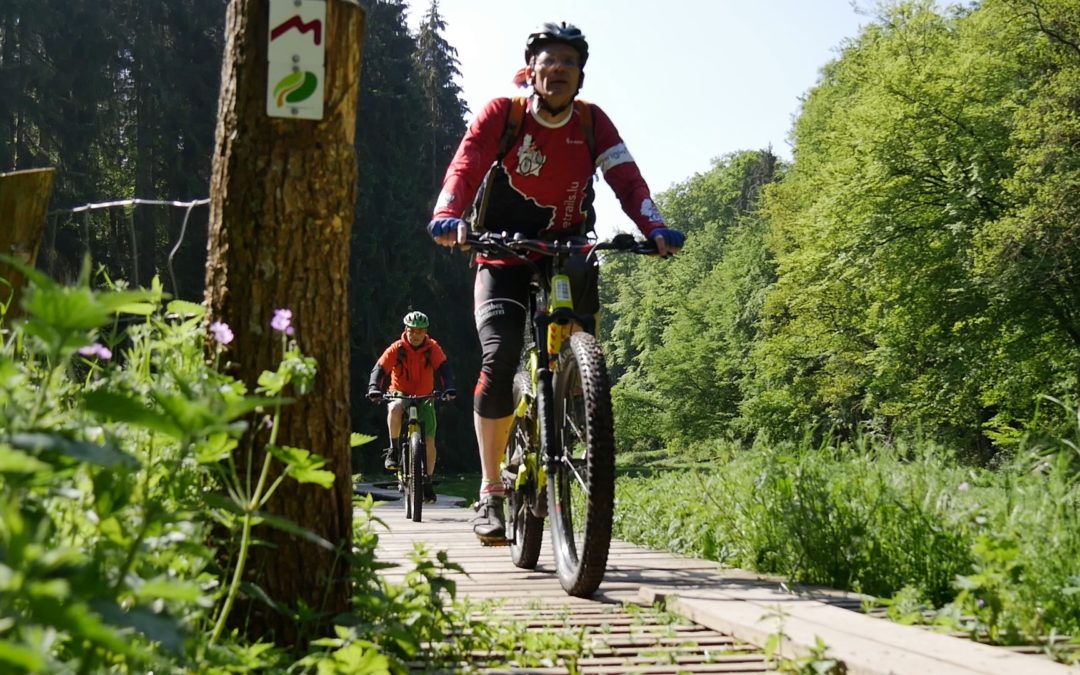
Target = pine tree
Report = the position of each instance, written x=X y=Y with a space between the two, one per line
x=437 y=68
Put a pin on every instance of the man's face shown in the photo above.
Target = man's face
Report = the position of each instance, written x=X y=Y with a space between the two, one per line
x=556 y=73
x=415 y=335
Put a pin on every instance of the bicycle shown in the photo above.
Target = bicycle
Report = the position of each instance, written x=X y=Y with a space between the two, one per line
x=413 y=461
x=561 y=454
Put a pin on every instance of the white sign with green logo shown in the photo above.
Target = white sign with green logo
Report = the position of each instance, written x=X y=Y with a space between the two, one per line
x=296 y=52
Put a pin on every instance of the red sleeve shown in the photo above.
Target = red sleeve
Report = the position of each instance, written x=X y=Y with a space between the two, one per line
x=622 y=174
x=472 y=160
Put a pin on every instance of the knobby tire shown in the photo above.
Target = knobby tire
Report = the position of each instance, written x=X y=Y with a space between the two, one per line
x=584 y=429
x=417 y=471
x=403 y=475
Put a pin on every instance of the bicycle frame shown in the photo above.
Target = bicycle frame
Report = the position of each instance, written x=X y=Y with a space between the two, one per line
x=566 y=447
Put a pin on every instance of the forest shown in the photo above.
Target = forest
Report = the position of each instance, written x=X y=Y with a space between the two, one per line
x=866 y=357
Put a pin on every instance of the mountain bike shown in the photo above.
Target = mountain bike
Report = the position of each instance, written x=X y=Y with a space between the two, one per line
x=560 y=461
x=413 y=460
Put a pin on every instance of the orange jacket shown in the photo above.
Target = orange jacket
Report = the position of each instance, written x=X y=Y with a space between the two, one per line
x=411 y=370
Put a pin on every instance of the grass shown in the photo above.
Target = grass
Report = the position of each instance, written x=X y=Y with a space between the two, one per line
x=992 y=553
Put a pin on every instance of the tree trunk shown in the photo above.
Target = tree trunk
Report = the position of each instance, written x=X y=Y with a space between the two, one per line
x=24 y=201
x=282 y=203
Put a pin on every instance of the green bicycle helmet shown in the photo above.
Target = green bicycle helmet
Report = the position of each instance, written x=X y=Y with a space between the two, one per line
x=416 y=320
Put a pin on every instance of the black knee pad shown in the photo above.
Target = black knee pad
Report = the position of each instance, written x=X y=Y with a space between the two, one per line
x=500 y=324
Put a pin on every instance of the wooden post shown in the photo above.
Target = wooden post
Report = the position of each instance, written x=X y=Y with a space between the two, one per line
x=24 y=200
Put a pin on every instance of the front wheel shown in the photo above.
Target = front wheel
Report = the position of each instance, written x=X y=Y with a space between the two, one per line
x=581 y=491
x=525 y=529
x=415 y=481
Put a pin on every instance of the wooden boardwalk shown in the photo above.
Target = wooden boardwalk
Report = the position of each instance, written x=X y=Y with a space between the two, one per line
x=727 y=611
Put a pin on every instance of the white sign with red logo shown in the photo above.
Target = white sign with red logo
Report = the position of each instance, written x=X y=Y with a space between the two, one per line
x=296 y=52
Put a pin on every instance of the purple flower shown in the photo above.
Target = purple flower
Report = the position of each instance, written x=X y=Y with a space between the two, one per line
x=98 y=350
x=222 y=333
x=980 y=603
x=282 y=321
x=963 y=487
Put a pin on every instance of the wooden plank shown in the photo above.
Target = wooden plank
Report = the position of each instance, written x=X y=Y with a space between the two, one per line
x=24 y=201
x=867 y=646
x=733 y=602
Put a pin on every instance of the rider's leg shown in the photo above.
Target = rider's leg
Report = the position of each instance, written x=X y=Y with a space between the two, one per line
x=500 y=298
x=429 y=443
x=492 y=435
x=393 y=421
x=429 y=423
x=395 y=412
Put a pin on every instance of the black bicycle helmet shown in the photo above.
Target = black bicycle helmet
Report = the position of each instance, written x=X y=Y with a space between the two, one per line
x=566 y=33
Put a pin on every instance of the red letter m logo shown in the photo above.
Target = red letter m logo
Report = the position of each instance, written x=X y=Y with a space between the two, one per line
x=315 y=26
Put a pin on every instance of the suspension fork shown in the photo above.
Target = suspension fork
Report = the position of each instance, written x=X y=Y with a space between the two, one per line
x=545 y=395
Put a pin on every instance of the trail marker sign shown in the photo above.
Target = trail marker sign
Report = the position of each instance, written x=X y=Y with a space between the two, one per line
x=296 y=55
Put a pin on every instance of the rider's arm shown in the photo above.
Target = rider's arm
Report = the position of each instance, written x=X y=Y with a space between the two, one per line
x=444 y=376
x=622 y=174
x=472 y=160
x=380 y=374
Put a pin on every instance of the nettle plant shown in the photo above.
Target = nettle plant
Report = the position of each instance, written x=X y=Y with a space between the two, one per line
x=117 y=435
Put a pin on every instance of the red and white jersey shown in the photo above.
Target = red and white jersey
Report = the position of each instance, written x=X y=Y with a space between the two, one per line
x=543 y=185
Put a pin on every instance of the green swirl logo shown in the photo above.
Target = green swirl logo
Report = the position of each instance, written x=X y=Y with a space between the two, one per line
x=295 y=87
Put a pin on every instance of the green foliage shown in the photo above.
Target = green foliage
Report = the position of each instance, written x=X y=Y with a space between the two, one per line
x=124 y=524
x=679 y=331
x=408 y=125
x=913 y=272
x=994 y=551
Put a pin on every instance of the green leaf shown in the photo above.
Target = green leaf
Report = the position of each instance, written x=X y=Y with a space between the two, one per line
x=21 y=657
x=15 y=461
x=185 y=309
x=272 y=382
x=217 y=448
x=303 y=465
x=66 y=310
x=102 y=455
x=121 y=408
x=356 y=439
x=160 y=628
x=77 y=619
x=163 y=588
x=130 y=302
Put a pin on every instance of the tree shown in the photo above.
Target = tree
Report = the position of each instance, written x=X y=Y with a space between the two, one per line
x=436 y=67
x=395 y=266
x=282 y=202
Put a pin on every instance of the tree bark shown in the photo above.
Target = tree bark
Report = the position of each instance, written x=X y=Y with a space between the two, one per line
x=282 y=203
x=24 y=201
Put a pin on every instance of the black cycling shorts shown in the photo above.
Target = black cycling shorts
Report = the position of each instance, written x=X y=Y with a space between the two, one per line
x=500 y=307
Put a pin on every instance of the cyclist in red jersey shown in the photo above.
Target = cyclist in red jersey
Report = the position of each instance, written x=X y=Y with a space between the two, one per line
x=542 y=188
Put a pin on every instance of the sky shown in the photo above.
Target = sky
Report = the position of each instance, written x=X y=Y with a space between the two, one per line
x=684 y=81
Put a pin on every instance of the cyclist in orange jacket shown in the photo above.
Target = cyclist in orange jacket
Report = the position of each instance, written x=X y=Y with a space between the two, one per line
x=411 y=365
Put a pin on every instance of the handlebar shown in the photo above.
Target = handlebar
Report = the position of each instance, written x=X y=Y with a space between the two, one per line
x=501 y=243
x=397 y=395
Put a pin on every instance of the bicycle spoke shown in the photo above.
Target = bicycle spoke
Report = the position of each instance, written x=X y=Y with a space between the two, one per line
x=579 y=472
